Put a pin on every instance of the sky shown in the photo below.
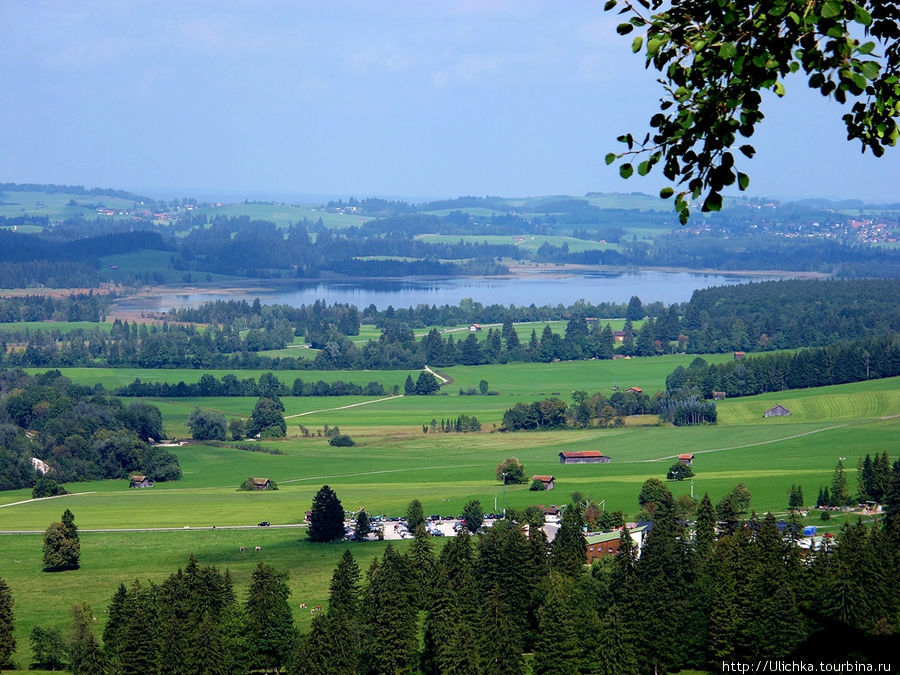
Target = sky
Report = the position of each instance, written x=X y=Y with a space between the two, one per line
x=416 y=99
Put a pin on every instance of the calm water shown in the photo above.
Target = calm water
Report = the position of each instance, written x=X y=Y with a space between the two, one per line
x=594 y=287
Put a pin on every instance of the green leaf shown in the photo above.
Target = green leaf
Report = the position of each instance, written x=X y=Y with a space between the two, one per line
x=867 y=48
x=831 y=9
x=609 y=5
x=727 y=50
x=626 y=170
x=748 y=150
x=637 y=43
x=624 y=28
x=870 y=69
x=713 y=202
x=743 y=181
x=644 y=168
x=862 y=16
x=610 y=158
x=666 y=192
x=779 y=89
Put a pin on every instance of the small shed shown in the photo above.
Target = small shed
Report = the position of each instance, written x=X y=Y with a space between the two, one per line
x=739 y=356
x=474 y=327
x=686 y=458
x=546 y=480
x=584 y=457
x=618 y=336
x=634 y=390
x=260 y=483
x=139 y=481
x=778 y=411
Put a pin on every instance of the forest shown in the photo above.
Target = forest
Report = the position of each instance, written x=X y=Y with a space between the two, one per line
x=81 y=433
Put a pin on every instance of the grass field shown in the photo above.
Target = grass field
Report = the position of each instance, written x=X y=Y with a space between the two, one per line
x=49 y=326
x=284 y=214
x=394 y=462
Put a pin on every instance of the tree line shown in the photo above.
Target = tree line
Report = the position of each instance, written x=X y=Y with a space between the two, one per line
x=230 y=385
x=80 y=433
x=839 y=363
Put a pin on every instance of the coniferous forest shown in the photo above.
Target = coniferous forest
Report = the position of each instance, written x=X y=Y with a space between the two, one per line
x=696 y=594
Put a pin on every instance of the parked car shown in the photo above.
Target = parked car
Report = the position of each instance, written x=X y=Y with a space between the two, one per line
x=264 y=523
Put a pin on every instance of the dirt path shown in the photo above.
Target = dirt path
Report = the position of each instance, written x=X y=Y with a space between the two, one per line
x=343 y=407
x=39 y=499
x=443 y=379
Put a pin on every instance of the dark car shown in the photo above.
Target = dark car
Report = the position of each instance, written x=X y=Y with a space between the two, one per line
x=264 y=523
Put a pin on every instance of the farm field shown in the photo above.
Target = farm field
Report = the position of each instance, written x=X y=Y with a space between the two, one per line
x=528 y=242
x=283 y=214
x=50 y=326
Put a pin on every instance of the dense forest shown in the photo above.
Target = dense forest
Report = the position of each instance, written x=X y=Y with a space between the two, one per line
x=695 y=595
x=80 y=433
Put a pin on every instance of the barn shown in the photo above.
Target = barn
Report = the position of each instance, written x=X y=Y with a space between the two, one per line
x=548 y=481
x=139 y=481
x=585 y=457
x=778 y=411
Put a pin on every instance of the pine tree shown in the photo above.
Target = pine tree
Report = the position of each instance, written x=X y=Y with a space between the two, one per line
x=62 y=547
x=138 y=652
x=615 y=650
x=315 y=652
x=270 y=623
x=326 y=519
x=864 y=474
x=115 y=624
x=409 y=387
x=839 y=494
x=415 y=514
x=556 y=650
x=705 y=527
x=499 y=639
x=7 y=623
x=881 y=477
x=421 y=564
x=568 y=553
x=892 y=506
x=388 y=617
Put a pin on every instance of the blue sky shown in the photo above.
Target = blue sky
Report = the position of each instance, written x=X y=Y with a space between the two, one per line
x=405 y=98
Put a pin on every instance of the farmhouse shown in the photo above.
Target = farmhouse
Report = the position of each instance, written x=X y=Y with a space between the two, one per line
x=474 y=327
x=607 y=543
x=260 y=483
x=585 y=457
x=546 y=480
x=139 y=481
x=634 y=390
x=619 y=336
x=686 y=458
x=778 y=411
x=739 y=356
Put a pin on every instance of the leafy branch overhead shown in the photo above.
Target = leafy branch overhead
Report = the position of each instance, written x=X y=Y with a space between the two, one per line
x=717 y=56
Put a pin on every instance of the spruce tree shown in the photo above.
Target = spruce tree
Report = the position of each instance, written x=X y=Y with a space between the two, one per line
x=138 y=651
x=270 y=623
x=556 y=650
x=881 y=477
x=7 y=623
x=415 y=514
x=615 y=651
x=315 y=652
x=115 y=625
x=705 y=528
x=499 y=638
x=839 y=494
x=892 y=506
x=62 y=547
x=422 y=564
x=568 y=553
x=388 y=617
x=326 y=519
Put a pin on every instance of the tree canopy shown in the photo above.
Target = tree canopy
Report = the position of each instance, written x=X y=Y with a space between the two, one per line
x=326 y=519
x=716 y=59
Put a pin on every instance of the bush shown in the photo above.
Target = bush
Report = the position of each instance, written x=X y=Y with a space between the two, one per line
x=341 y=441
x=536 y=485
x=679 y=471
x=206 y=426
x=47 y=487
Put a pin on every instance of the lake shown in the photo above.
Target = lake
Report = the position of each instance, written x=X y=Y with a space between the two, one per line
x=550 y=289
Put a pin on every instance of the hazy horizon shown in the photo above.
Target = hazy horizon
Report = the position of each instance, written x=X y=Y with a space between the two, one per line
x=422 y=99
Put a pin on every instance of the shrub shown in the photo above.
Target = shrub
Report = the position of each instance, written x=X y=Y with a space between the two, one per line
x=341 y=441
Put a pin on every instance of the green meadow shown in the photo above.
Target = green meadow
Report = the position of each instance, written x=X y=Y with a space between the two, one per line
x=395 y=461
x=528 y=242
x=284 y=215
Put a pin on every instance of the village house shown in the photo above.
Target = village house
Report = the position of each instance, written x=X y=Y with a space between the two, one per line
x=139 y=481
x=619 y=336
x=686 y=458
x=607 y=543
x=584 y=457
x=739 y=356
x=474 y=327
x=634 y=390
x=546 y=480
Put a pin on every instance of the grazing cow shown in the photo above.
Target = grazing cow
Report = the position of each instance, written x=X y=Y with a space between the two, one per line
x=318 y=608
x=243 y=548
x=302 y=605
x=259 y=548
